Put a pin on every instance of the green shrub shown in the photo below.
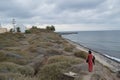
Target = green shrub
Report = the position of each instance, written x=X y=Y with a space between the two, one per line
x=68 y=49
x=26 y=78
x=6 y=67
x=55 y=67
x=2 y=57
x=9 y=76
x=27 y=31
x=81 y=54
x=68 y=59
x=53 y=71
x=53 y=52
x=16 y=76
x=18 y=58
x=18 y=61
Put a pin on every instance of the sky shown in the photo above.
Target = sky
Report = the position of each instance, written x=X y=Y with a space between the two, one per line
x=65 y=15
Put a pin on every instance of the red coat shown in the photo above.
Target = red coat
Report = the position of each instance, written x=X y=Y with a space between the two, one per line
x=90 y=62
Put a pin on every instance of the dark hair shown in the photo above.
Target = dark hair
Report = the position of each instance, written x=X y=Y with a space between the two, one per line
x=89 y=52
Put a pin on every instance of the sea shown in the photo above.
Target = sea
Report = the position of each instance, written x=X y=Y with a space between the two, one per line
x=104 y=42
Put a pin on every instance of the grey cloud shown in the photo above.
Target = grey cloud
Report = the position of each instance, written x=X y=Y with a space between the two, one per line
x=75 y=5
x=78 y=5
x=9 y=8
x=61 y=11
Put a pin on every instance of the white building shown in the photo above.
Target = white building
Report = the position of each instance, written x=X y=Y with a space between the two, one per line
x=3 y=30
x=22 y=27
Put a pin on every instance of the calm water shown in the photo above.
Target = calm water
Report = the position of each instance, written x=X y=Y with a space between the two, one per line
x=105 y=42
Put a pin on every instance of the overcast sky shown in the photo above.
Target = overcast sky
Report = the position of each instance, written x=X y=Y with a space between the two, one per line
x=64 y=14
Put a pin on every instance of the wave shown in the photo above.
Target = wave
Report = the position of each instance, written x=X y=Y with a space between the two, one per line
x=114 y=58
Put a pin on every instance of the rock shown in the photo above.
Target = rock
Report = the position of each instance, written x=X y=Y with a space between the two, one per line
x=118 y=74
x=13 y=55
x=24 y=42
x=69 y=76
x=72 y=74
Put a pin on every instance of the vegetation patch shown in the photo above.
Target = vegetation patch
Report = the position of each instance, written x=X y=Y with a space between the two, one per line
x=55 y=67
x=16 y=76
x=53 y=71
x=2 y=56
x=7 y=67
x=81 y=54
x=52 y=52
x=61 y=58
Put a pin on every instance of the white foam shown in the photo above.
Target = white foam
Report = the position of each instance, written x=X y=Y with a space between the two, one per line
x=114 y=58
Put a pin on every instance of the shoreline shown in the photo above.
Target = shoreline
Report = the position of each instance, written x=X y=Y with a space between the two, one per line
x=112 y=64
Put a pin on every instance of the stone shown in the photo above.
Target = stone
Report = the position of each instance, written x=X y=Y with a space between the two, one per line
x=13 y=55
x=69 y=76
x=118 y=74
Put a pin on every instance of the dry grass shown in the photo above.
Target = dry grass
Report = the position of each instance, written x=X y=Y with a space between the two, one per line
x=32 y=49
x=61 y=58
x=6 y=57
x=10 y=39
x=68 y=47
x=6 y=67
x=97 y=77
x=40 y=42
x=81 y=54
x=2 y=56
x=55 y=66
x=16 y=76
x=53 y=52
x=53 y=71
x=9 y=76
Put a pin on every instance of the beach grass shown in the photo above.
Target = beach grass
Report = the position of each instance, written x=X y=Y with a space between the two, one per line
x=81 y=54
x=55 y=67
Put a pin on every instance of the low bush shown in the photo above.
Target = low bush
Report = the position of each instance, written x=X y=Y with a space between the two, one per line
x=2 y=56
x=53 y=52
x=27 y=31
x=16 y=76
x=68 y=49
x=9 y=76
x=81 y=54
x=6 y=67
x=68 y=59
x=56 y=66
x=53 y=71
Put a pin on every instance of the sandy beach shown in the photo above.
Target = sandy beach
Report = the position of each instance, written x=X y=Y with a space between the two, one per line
x=113 y=65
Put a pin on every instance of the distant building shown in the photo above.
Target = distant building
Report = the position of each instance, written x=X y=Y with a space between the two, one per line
x=22 y=27
x=3 y=30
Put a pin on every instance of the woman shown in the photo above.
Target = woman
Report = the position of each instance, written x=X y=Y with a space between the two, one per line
x=90 y=61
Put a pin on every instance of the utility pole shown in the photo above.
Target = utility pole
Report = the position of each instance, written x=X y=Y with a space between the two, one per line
x=13 y=22
x=0 y=25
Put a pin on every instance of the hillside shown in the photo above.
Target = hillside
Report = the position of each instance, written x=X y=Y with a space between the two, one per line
x=44 y=55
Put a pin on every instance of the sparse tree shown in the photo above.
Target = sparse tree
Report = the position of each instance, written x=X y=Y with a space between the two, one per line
x=11 y=30
x=18 y=29
x=48 y=27
x=51 y=28
x=27 y=31
x=34 y=27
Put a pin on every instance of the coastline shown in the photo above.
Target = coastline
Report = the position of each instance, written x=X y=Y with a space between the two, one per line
x=112 y=64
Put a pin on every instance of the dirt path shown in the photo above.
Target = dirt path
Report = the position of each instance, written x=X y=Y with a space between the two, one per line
x=89 y=75
x=100 y=72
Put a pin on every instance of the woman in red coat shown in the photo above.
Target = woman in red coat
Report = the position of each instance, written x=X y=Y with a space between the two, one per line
x=90 y=61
